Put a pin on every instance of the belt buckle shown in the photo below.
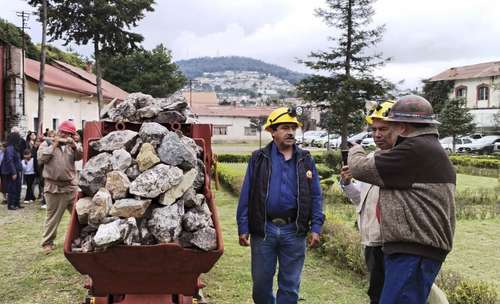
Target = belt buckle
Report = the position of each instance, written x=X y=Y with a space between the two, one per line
x=279 y=221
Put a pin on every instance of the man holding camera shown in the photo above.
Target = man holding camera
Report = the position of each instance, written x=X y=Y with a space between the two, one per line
x=280 y=202
x=58 y=156
x=416 y=203
x=366 y=196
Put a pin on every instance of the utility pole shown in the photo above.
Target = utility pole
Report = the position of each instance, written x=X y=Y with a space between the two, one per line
x=24 y=19
x=191 y=93
x=41 y=82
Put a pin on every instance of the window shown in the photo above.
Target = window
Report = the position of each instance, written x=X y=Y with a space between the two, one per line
x=220 y=130
x=55 y=123
x=461 y=91
x=83 y=123
x=483 y=92
x=35 y=124
x=249 y=131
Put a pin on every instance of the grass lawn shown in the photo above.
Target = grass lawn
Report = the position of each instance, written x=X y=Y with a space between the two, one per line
x=471 y=182
x=473 y=254
x=27 y=276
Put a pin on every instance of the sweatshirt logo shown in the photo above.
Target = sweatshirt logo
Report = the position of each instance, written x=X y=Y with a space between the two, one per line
x=309 y=174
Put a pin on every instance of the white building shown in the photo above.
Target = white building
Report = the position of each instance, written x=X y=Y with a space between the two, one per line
x=479 y=84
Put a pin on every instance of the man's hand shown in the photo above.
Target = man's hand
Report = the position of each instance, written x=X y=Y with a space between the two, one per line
x=244 y=241
x=314 y=240
x=71 y=142
x=14 y=177
x=346 y=175
x=55 y=141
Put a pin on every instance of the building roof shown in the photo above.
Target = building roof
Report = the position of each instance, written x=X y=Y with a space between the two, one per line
x=479 y=70
x=64 y=80
x=207 y=104
x=231 y=111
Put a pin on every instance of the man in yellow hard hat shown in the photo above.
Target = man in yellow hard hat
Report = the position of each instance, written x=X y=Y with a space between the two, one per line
x=280 y=203
x=366 y=196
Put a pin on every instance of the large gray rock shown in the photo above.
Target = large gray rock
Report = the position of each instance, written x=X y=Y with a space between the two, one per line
x=147 y=157
x=117 y=183
x=121 y=160
x=124 y=111
x=83 y=207
x=152 y=132
x=191 y=143
x=93 y=175
x=107 y=107
x=176 y=102
x=102 y=205
x=140 y=100
x=170 y=117
x=156 y=181
x=149 y=111
x=193 y=220
x=173 y=152
x=130 y=207
x=200 y=178
x=166 y=223
x=189 y=198
x=205 y=239
x=115 y=140
x=177 y=191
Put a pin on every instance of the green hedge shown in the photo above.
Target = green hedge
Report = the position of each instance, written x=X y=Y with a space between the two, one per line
x=231 y=176
x=478 y=162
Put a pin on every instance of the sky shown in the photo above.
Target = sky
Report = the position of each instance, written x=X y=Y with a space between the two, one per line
x=422 y=38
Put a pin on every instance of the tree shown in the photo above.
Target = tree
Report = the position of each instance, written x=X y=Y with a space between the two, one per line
x=347 y=61
x=151 y=72
x=12 y=35
x=105 y=23
x=41 y=82
x=455 y=119
x=437 y=93
x=257 y=123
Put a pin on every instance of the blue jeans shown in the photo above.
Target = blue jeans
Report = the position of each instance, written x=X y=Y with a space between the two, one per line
x=284 y=246
x=408 y=278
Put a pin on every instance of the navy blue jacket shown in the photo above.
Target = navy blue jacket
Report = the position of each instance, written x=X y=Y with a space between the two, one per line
x=11 y=163
x=253 y=204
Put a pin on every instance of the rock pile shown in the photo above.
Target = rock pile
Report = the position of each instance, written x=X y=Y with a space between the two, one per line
x=144 y=188
x=139 y=107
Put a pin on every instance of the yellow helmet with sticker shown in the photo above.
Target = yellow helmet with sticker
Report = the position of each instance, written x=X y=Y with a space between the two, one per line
x=283 y=115
x=380 y=111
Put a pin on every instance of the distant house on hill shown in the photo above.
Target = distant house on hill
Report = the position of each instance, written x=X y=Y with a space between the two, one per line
x=230 y=123
x=479 y=84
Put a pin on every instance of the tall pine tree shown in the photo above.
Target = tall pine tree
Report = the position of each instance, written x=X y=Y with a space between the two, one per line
x=347 y=61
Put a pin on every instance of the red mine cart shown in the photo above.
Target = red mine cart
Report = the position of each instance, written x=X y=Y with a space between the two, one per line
x=164 y=273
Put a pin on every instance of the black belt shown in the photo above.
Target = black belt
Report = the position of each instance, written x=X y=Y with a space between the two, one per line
x=282 y=219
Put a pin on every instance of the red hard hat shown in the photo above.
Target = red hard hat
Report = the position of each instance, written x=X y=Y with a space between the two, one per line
x=68 y=127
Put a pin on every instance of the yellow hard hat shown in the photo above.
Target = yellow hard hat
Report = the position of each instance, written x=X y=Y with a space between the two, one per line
x=282 y=115
x=379 y=111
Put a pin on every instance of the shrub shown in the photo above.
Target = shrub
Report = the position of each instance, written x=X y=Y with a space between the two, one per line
x=342 y=245
x=233 y=158
x=464 y=291
x=479 y=162
x=231 y=176
x=333 y=159
x=324 y=171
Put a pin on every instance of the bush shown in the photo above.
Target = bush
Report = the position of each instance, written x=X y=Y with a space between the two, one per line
x=324 y=171
x=343 y=245
x=333 y=160
x=470 y=170
x=464 y=291
x=231 y=176
x=233 y=158
x=478 y=162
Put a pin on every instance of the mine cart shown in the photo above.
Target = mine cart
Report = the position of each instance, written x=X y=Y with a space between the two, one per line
x=147 y=274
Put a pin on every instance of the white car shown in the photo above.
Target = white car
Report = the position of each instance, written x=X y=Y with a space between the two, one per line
x=358 y=138
x=309 y=136
x=483 y=145
x=447 y=145
x=326 y=140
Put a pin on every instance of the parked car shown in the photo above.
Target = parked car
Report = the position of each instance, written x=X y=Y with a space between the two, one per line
x=483 y=145
x=309 y=137
x=323 y=141
x=358 y=138
x=447 y=145
x=368 y=142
